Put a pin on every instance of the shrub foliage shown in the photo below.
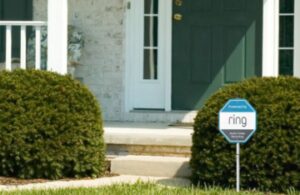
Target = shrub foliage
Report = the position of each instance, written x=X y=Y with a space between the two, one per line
x=50 y=127
x=271 y=158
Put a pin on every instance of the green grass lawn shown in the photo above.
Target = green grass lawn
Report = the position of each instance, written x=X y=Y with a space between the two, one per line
x=139 y=188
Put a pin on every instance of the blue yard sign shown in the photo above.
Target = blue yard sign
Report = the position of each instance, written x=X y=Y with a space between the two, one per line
x=237 y=120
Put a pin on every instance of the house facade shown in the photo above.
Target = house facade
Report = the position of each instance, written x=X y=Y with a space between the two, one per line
x=147 y=60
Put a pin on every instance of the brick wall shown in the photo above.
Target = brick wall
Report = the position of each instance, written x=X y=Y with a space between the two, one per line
x=103 y=60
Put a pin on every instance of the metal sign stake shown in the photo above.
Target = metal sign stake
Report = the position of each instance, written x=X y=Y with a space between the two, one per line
x=237 y=123
x=238 y=167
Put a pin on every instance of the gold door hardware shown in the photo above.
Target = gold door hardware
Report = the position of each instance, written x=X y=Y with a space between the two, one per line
x=178 y=17
x=178 y=2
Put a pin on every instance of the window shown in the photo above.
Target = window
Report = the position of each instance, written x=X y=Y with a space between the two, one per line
x=286 y=37
x=150 y=39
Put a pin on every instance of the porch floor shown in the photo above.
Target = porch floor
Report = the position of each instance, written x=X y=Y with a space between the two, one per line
x=147 y=134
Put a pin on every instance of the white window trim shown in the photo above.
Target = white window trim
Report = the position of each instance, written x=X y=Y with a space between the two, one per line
x=297 y=39
x=271 y=38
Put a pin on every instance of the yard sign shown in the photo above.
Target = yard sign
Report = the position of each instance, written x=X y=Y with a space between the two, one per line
x=237 y=122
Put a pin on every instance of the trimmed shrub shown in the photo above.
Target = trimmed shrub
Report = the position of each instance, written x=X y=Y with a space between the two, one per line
x=50 y=127
x=271 y=158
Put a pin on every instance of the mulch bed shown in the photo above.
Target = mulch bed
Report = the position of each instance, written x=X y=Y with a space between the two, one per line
x=17 y=181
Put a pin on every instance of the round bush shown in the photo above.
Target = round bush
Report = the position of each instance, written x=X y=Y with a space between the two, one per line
x=50 y=127
x=271 y=158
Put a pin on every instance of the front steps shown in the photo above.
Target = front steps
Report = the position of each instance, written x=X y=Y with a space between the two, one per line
x=156 y=139
x=148 y=149
x=158 y=166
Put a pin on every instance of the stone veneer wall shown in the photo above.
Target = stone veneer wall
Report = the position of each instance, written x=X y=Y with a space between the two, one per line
x=103 y=60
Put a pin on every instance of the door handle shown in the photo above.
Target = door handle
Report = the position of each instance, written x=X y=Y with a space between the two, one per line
x=178 y=16
x=178 y=3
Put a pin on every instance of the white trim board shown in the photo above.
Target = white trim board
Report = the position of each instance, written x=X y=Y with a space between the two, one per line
x=270 y=38
x=297 y=39
x=167 y=17
x=128 y=54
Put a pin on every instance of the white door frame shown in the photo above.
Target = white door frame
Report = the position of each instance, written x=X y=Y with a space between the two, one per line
x=168 y=51
x=270 y=37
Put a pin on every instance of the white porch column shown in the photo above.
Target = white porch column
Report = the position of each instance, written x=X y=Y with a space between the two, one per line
x=57 y=35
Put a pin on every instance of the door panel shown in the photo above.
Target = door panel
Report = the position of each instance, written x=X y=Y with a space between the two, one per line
x=235 y=52
x=237 y=5
x=201 y=68
x=216 y=42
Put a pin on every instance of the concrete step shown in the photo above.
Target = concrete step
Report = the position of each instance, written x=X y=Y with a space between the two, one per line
x=160 y=116
x=176 y=151
x=157 y=139
x=158 y=166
